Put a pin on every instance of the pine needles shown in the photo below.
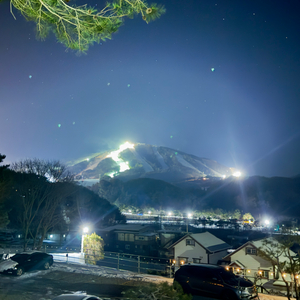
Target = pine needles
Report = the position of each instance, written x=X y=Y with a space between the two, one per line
x=79 y=27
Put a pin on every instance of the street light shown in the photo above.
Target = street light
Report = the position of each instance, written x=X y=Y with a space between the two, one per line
x=85 y=230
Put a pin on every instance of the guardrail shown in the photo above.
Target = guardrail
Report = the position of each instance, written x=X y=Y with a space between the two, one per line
x=121 y=261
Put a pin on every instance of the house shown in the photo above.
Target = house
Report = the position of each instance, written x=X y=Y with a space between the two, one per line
x=198 y=248
x=130 y=238
x=247 y=261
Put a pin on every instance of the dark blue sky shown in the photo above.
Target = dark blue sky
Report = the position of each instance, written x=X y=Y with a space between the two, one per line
x=244 y=114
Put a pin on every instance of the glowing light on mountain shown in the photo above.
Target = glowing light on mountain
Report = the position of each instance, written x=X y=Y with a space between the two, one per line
x=237 y=174
x=115 y=156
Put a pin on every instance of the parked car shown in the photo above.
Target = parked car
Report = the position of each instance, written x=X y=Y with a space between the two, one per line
x=213 y=281
x=27 y=261
x=76 y=296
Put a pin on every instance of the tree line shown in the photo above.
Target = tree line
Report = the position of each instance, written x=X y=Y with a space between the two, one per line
x=38 y=196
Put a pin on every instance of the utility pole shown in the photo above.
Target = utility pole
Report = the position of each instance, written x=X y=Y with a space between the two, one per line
x=187 y=226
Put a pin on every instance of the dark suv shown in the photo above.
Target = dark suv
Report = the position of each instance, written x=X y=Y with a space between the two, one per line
x=213 y=281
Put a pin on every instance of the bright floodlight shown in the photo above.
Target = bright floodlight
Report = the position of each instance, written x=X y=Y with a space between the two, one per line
x=85 y=230
x=190 y=215
x=267 y=222
x=169 y=214
x=237 y=174
x=115 y=156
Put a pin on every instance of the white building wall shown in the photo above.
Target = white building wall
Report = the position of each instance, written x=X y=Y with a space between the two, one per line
x=252 y=266
x=183 y=250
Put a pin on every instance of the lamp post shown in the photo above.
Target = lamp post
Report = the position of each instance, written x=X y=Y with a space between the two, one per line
x=84 y=233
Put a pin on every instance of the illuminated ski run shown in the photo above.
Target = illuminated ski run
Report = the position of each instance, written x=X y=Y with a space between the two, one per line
x=115 y=156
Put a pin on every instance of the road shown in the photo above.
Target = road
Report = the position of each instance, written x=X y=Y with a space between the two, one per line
x=45 y=285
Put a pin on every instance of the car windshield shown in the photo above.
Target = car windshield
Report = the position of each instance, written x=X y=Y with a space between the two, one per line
x=228 y=278
x=19 y=258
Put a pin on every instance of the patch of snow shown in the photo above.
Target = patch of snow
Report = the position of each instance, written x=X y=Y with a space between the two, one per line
x=182 y=161
x=160 y=159
x=146 y=166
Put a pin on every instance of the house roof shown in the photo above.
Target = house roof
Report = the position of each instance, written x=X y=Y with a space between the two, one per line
x=206 y=240
x=259 y=244
x=126 y=227
x=237 y=263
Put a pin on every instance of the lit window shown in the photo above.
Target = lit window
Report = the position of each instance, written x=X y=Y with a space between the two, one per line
x=183 y=260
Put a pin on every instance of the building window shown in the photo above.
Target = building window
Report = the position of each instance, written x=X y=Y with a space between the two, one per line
x=251 y=251
x=121 y=236
x=264 y=274
x=129 y=237
x=196 y=260
x=127 y=247
x=183 y=260
x=190 y=242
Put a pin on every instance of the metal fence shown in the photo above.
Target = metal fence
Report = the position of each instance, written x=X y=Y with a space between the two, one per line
x=136 y=263
x=120 y=261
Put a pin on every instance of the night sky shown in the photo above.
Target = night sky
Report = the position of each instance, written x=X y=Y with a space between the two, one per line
x=217 y=79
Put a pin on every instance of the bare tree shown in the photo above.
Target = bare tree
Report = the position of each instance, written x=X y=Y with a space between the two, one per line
x=30 y=192
x=53 y=170
x=39 y=195
x=50 y=214
x=284 y=260
x=3 y=191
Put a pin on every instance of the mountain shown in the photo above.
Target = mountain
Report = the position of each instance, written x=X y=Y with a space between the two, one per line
x=133 y=161
x=151 y=176
x=276 y=197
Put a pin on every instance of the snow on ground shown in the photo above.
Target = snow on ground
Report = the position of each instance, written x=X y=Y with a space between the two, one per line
x=75 y=263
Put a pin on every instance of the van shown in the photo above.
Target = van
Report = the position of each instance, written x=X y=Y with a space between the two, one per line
x=213 y=281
